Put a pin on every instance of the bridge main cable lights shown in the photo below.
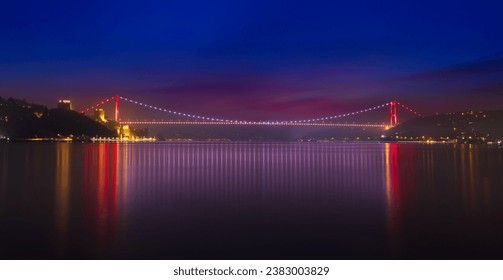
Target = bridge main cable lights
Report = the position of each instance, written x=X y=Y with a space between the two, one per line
x=99 y=104
x=409 y=109
x=252 y=123
x=215 y=120
x=212 y=120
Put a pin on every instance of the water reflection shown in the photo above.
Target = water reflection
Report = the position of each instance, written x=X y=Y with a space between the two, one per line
x=3 y=179
x=242 y=172
x=249 y=200
x=101 y=194
x=392 y=194
x=62 y=193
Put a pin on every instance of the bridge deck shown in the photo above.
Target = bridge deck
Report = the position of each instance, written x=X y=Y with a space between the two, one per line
x=254 y=123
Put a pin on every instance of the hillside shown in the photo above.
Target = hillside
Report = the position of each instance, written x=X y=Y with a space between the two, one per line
x=468 y=126
x=20 y=119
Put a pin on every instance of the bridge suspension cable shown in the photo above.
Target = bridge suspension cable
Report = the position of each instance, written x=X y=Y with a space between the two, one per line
x=214 y=119
x=409 y=109
x=99 y=104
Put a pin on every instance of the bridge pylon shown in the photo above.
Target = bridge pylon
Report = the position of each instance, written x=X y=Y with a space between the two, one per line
x=117 y=108
x=393 y=119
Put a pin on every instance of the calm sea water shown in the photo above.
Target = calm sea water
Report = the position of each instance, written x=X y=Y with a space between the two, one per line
x=250 y=201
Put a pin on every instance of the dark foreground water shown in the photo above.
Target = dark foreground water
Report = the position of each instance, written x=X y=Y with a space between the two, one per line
x=250 y=201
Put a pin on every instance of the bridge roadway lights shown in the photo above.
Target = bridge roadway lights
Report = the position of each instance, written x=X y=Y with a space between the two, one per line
x=256 y=123
x=393 y=117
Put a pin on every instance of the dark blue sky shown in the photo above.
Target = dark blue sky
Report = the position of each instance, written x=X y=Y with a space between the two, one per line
x=255 y=58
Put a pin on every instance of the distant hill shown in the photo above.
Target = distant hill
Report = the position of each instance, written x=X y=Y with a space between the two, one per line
x=20 y=119
x=468 y=126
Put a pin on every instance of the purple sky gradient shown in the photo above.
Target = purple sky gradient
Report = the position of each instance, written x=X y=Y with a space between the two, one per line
x=254 y=59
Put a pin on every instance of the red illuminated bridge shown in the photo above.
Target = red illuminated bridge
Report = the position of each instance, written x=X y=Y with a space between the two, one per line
x=193 y=119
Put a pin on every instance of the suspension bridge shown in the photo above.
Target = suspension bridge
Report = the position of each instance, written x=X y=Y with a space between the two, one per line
x=179 y=118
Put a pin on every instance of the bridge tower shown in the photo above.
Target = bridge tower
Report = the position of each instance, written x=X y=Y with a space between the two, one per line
x=393 y=120
x=117 y=108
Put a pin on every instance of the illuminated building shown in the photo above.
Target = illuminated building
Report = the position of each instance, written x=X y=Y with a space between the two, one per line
x=124 y=132
x=65 y=104
x=99 y=115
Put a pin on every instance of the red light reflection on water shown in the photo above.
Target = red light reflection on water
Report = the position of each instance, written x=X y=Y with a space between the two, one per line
x=392 y=193
x=101 y=193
